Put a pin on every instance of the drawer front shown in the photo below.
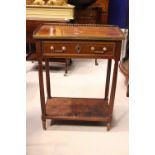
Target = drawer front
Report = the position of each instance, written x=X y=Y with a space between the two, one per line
x=79 y=48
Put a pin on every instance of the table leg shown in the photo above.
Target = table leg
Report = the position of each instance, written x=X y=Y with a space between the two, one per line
x=127 y=93
x=108 y=126
x=70 y=62
x=41 y=84
x=96 y=63
x=44 y=123
x=47 y=78
x=42 y=96
x=66 y=67
x=112 y=95
x=108 y=79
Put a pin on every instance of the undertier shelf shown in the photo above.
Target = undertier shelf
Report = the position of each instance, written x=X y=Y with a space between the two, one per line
x=84 y=109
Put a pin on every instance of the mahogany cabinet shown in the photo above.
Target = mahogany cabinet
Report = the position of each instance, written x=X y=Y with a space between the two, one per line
x=93 y=13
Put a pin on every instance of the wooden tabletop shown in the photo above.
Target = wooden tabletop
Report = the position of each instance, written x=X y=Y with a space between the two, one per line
x=78 y=32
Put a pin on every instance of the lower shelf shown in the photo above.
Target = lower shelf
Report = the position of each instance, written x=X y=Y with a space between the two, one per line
x=84 y=109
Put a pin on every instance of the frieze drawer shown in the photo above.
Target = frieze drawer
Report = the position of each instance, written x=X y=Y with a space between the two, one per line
x=78 y=48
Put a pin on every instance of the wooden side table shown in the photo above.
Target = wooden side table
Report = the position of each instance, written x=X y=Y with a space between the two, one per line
x=77 y=41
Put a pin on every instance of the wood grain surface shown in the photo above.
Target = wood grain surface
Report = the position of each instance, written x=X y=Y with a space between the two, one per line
x=77 y=108
x=78 y=31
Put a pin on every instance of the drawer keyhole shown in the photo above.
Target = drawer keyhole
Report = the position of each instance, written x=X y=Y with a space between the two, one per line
x=78 y=48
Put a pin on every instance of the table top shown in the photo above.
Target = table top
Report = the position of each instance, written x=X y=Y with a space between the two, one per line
x=78 y=32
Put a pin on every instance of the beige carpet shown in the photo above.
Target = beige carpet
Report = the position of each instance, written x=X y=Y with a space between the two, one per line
x=84 y=80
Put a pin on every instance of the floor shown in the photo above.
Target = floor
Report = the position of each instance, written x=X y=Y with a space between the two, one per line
x=70 y=138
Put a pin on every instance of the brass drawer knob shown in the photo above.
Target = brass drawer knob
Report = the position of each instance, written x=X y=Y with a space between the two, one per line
x=92 y=48
x=63 y=48
x=104 y=49
x=52 y=47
